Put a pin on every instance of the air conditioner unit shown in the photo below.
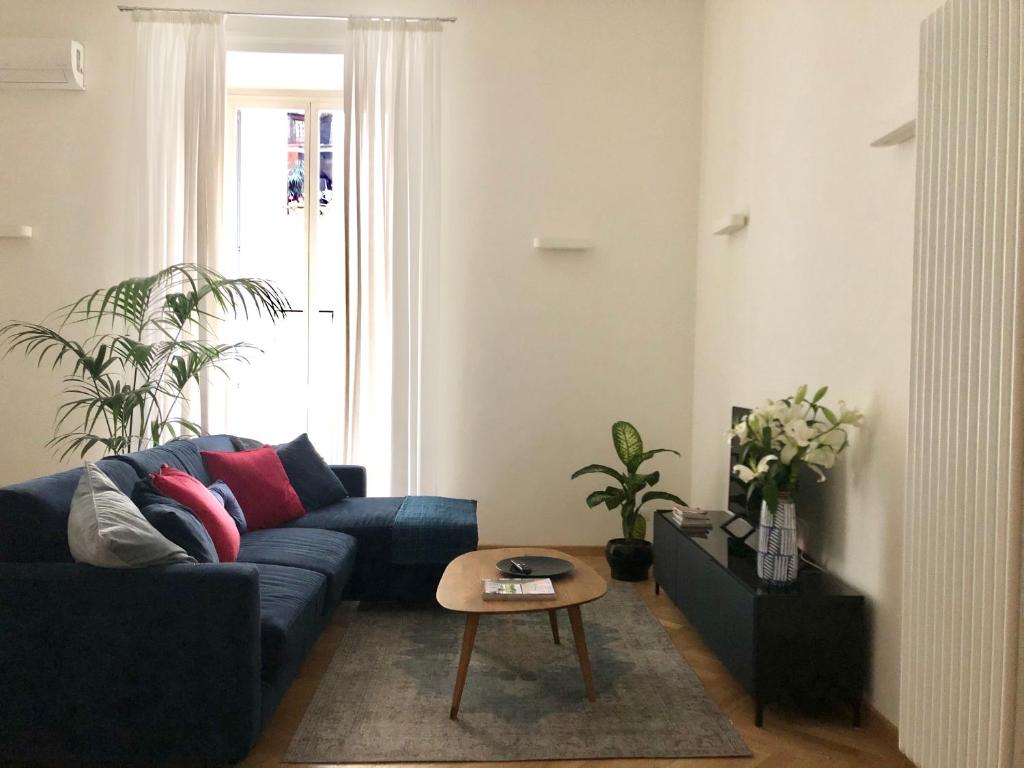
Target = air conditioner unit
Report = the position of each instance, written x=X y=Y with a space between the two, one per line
x=42 y=62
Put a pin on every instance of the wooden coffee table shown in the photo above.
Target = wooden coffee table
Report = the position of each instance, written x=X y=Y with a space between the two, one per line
x=460 y=591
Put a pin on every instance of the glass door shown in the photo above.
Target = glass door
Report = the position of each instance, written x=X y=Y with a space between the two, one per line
x=285 y=224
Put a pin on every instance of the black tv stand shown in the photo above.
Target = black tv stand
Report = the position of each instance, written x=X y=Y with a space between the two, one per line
x=805 y=643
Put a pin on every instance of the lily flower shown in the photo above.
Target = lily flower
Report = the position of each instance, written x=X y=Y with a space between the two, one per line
x=800 y=432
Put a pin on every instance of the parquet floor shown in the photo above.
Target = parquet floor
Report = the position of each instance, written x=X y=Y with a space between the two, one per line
x=788 y=740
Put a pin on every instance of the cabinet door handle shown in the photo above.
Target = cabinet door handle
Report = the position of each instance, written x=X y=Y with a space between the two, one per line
x=327 y=312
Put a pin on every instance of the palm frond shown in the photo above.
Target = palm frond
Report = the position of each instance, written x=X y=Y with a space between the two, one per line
x=122 y=383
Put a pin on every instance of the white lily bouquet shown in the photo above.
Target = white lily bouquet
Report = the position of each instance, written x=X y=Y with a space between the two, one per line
x=779 y=438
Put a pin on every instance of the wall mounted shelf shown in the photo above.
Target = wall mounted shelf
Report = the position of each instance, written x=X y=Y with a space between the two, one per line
x=563 y=243
x=22 y=231
x=898 y=135
x=730 y=224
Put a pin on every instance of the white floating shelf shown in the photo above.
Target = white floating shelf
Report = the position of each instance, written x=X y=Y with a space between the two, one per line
x=896 y=125
x=898 y=135
x=727 y=225
x=18 y=231
x=563 y=243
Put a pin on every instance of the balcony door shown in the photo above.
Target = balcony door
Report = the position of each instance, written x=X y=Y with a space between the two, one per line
x=284 y=221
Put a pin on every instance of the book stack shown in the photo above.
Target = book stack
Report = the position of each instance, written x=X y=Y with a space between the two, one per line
x=518 y=589
x=691 y=520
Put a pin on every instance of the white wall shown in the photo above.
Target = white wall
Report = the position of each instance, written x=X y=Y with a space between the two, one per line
x=817 y=289
x=62 y=171
x=569 y=117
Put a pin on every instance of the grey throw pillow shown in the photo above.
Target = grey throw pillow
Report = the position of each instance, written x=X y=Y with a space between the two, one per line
x=107 y=530
x=245 y=443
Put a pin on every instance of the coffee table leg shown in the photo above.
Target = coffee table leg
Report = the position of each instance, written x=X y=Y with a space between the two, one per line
x=468 y=637
x=576 y=619
x=554 y=626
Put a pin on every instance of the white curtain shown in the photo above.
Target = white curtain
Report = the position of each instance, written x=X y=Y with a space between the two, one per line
x=178 y=143
x=392 y=92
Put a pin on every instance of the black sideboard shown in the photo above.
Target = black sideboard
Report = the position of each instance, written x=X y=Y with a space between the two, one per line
x=805 y=642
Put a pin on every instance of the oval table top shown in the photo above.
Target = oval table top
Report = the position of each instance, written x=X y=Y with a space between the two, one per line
x=460 y=588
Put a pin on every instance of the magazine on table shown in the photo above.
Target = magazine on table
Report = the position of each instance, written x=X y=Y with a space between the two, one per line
x=518 y=589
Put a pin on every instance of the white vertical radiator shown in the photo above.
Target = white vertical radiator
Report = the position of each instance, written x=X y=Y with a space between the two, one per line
x=962 y=534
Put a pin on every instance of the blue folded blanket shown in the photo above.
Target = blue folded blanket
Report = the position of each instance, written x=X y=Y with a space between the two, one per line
x=433 y=530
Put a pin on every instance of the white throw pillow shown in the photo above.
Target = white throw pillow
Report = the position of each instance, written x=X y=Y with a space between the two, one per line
x=106 y=529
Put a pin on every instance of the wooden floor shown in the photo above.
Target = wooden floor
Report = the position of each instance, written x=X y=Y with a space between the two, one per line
x=787 y=740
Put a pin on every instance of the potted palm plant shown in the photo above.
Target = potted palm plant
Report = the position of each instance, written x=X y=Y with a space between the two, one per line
x=131 y=351
x=631 y=556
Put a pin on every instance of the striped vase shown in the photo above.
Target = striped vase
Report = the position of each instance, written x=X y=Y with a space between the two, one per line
x=778 y=558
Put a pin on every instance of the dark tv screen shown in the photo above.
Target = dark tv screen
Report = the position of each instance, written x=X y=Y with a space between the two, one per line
x=739 y=504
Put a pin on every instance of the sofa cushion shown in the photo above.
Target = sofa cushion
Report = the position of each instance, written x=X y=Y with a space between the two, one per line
x=371 y=521
x=259 y=482
x=329 y=553
x=309 y=474
x=246 y=443
x=213 y=443
x=227 y=498
x=291 y=604
x=175 y=521
x=187 y=490
x=180 y=454
x=107 y=530
x=34 y=514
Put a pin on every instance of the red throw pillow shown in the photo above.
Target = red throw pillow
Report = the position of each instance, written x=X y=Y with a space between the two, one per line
x=187 y=490
x=260 y=484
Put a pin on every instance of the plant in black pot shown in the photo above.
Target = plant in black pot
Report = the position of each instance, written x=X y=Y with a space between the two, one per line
x=631 y=556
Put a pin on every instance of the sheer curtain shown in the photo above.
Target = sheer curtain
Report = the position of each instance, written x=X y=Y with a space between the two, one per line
x=392 y=93
x=178 y=144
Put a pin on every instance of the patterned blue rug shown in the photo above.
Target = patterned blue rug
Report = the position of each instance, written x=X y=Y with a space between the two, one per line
x=386 y=694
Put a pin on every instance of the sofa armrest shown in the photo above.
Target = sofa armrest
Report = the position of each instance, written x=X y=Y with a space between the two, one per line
x=128 y=666
x=352 y=476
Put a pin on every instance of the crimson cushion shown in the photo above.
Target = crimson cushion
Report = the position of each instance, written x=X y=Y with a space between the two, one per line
x=259 y=482
x=190 y=492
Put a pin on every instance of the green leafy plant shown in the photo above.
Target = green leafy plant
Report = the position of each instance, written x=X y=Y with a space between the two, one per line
x=146 y=339
x=630 y=449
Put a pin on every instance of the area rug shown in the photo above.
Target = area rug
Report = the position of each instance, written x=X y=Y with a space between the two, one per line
x=387 y=692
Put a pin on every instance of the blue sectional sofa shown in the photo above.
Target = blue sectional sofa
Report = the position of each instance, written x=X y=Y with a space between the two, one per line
x=184 y=663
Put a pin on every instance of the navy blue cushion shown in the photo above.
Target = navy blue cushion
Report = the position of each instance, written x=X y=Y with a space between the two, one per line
x=34 y=514
x=291 y=604
x=329 y=553
x=227 y=498
x=309 y=474
x=180 y=454
x=175 y=521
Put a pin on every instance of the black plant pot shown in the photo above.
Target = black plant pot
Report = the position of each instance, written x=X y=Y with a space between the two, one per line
x=630 y=559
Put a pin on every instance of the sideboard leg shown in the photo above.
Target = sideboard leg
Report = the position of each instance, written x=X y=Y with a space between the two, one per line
x=657 y=588
x=856 y=712
x=758 y=714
